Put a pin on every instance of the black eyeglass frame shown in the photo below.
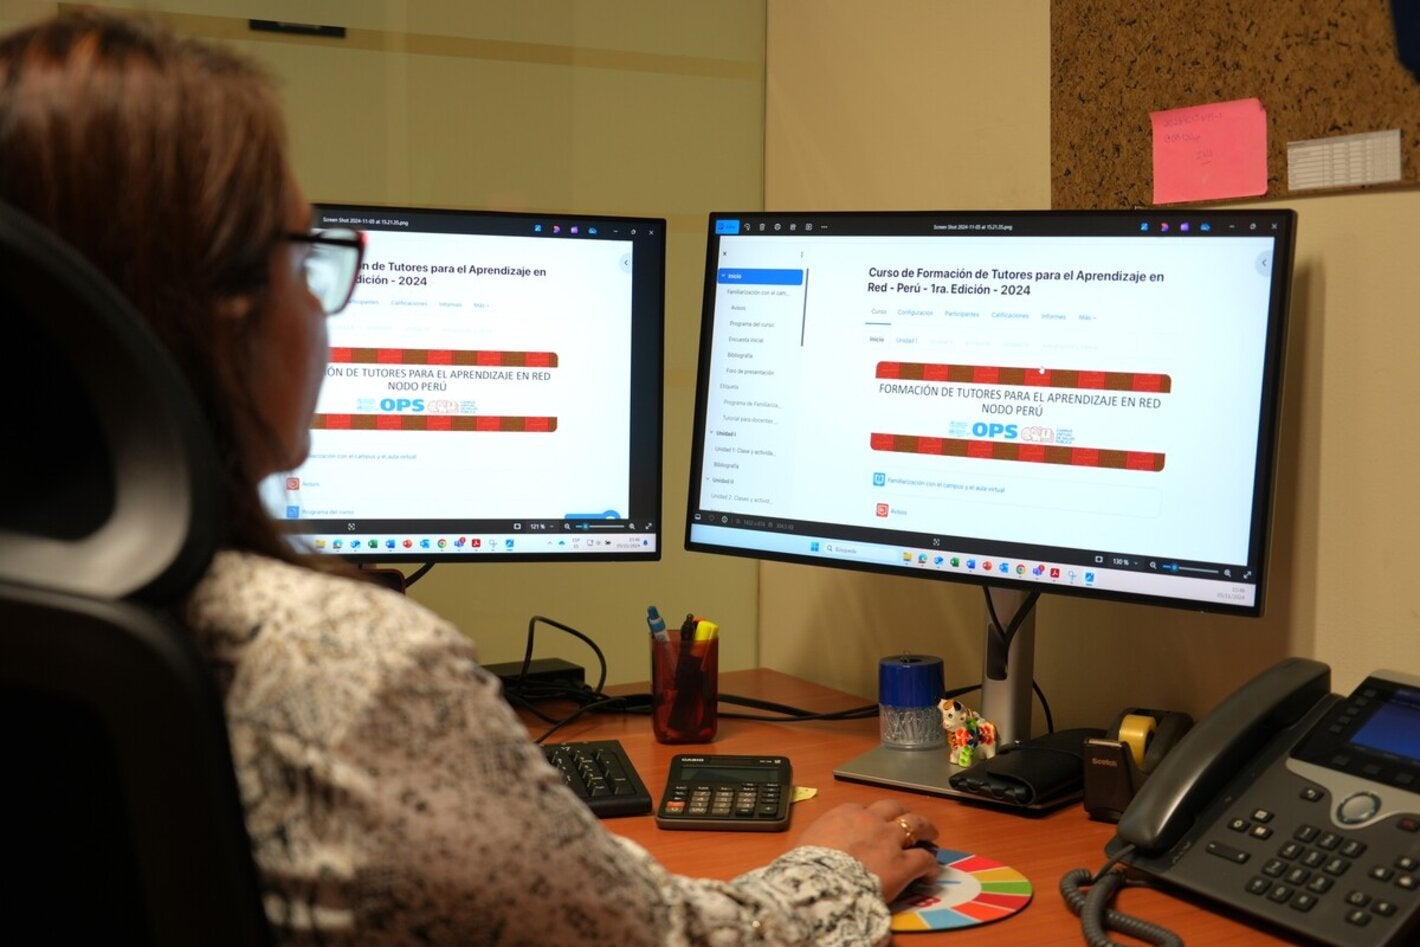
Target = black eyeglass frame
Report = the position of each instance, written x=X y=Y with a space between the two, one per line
x=357 y=243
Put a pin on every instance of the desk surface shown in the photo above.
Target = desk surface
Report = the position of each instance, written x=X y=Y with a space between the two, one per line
x=1042 y=848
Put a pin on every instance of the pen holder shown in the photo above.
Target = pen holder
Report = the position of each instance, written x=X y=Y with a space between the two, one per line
x=685 y=690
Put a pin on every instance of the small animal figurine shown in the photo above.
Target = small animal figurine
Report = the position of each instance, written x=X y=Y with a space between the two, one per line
x=969 y=735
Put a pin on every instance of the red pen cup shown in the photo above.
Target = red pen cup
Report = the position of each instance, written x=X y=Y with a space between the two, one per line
x=685 y=689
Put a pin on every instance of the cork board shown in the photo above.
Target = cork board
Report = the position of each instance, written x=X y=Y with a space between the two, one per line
x=1322 y=68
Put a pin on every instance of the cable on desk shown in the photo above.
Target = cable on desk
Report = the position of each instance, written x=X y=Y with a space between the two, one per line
x=1097 y=917
x=524 y=693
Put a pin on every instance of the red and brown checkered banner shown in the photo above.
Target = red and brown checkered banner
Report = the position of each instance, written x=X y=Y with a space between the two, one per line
x=432 y=422
x=1028 y=377
x=1024 y=453
x=461 y=357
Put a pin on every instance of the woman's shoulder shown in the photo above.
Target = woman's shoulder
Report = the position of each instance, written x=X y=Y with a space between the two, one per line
x=245 y=596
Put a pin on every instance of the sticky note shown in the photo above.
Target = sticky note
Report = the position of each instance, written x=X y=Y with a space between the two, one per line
x=1207 y=152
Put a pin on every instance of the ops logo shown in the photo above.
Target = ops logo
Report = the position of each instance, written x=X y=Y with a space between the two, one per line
x=994 y=430
x=402 y=405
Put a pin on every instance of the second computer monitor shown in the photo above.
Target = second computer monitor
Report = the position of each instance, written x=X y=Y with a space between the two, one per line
x=1074 y=402
x=493 y=392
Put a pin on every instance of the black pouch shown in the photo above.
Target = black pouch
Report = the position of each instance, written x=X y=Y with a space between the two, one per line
x=1042 y=773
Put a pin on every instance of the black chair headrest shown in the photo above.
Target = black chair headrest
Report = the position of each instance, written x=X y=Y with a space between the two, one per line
x=109 y=487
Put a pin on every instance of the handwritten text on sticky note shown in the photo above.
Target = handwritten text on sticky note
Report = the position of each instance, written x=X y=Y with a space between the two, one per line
x=1206 y=152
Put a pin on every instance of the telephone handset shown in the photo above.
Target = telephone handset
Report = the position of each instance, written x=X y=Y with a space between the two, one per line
x=1294 y=805
x=1217 y=747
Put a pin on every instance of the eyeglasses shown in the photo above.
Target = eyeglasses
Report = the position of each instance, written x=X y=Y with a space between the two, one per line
x=332 y=265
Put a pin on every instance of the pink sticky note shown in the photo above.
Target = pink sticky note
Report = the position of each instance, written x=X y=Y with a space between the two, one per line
x=1212 y=151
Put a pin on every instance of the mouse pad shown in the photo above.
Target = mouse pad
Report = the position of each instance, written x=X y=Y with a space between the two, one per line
x=969 y=890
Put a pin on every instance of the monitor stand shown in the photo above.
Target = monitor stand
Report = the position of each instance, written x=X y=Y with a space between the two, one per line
x=1005 y=702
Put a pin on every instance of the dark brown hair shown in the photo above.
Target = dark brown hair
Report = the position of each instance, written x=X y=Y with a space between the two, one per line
x=163 y=161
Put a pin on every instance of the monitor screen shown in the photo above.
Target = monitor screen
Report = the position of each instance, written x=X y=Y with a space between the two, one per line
x=1074 y=402
x=493 y=392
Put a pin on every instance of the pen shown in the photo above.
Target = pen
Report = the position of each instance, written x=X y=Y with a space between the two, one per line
x=657 y=624
x=687 y=677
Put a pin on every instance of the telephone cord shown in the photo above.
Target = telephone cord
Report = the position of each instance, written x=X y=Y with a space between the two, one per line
x=1096 y=916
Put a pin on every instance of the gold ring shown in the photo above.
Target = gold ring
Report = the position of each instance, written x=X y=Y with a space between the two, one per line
x=911 y=839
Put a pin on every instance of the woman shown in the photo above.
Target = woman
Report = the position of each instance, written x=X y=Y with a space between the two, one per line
x=391 y=795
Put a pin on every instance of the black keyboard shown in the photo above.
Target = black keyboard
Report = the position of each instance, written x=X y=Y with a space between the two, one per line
x=601 y=775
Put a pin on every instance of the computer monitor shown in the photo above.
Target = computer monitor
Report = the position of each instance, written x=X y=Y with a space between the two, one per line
x=1082 y=403
x=494 y=392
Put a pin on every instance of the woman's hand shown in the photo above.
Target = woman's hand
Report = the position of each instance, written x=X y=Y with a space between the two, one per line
x=884 y=836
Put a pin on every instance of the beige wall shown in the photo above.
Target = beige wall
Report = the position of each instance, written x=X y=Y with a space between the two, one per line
x=667 y=108
x=642 y=107
x=946 y=105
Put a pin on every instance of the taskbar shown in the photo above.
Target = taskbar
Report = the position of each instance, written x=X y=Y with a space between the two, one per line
x=517 y=544
x=1225 y=593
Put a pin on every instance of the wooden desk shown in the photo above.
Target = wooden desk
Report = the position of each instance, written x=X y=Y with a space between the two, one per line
x=1043 y=848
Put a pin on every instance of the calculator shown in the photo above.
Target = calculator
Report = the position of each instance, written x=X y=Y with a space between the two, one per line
x=729 y=793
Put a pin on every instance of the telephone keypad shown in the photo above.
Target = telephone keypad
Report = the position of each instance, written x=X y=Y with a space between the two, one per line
x=1307 y=866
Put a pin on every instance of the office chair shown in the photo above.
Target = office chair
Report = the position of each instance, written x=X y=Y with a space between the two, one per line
x=123 y=820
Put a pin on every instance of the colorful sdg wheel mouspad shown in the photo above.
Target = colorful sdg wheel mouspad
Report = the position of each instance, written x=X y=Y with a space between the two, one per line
x=969 y=890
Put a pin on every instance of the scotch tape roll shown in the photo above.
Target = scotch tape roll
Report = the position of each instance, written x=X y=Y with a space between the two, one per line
x=1135 y=732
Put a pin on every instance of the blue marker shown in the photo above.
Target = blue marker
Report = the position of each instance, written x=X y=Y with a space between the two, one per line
x=656 y=623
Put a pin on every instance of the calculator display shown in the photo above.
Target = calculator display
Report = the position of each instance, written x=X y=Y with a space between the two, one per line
x=727 y=774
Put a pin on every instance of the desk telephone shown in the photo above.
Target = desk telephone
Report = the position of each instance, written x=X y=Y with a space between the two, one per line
x=1294 y=805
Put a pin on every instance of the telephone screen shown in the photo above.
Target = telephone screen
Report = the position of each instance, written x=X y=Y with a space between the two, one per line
x=1395 y=727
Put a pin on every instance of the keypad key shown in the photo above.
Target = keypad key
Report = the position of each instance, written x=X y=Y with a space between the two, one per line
x=1235 y=855
x=1320 y=884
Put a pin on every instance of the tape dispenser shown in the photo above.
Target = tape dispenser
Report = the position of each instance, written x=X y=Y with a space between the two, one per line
x=1118 y=764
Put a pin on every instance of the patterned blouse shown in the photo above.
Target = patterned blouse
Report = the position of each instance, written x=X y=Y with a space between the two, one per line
x=393 y=797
